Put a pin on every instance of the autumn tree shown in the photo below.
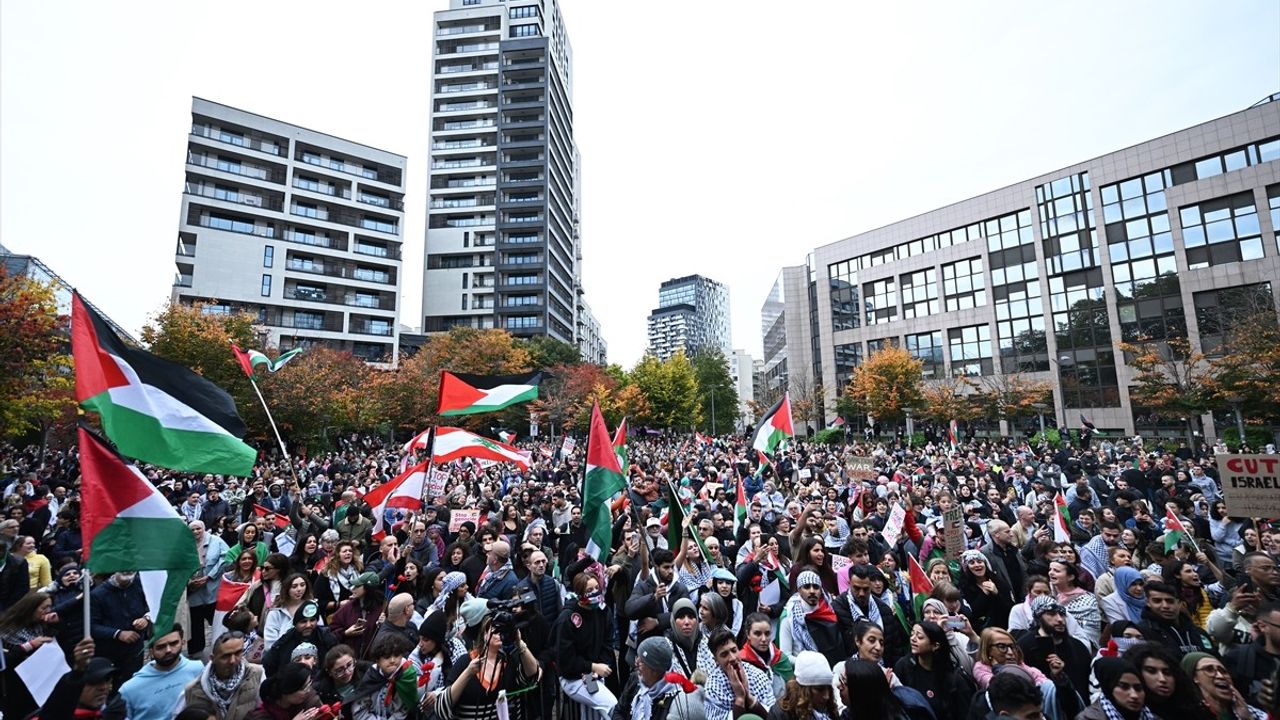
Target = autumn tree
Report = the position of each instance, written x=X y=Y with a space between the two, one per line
x=887 y=383
x=949 y=399
x=671 y=388
x=1010 y=396
x=808 y=401
x=322 y=392
x=545 y=352
x=1170 y=378
x=37 y=384
x=566 y=394
x=715 y=391
x=1245 y=368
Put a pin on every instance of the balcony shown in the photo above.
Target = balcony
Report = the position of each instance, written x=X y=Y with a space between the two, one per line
x=468 y=124
x=466 y=87
x=182 y=280
x=250 y=142
x=322 y=188
x=303 y=321
x=337 y=269
x=314 y=240
x=235 y=167
x=454 y=164
x=369 y=327
x=464 y=106
x=464 y=29
x=468 y=48
x=391 y=253
x=230 y=224
x=382 y=202
x=372 y=302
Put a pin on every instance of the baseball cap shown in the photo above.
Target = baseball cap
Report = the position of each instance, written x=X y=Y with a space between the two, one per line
x=100 y=670
x=653 y=522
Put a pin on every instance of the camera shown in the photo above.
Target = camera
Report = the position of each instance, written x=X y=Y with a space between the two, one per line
x=510 y=616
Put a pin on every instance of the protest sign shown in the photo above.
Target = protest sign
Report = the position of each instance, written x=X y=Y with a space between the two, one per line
x=861 y=468
x=567 y=448
x=840 y=566
x=436 y=482
x=953 y=529
x=893 y=528
x=457 y=517
x=1251 y=485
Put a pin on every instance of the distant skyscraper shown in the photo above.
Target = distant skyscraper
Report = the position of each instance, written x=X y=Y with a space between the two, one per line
x=692 y=315
x=300 y=228
x=502 y=220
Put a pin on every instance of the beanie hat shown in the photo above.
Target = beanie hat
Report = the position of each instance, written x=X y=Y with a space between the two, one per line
x=1108 y=671
x=1190 y=660
x=812 y=669
x=309 y=610
x=473 y=611
x=655 y=652
x=973 y=555
x=363 y=579
x=303 y=650
x=808 y=577
x=683 y=605
x=433 y=627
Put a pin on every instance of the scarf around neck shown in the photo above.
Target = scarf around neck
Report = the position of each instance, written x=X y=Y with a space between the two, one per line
x=490 y=577
x=749 y=654
x=801 y=613
x=642 y=708
x=872 y=614
x=1113 y=713
x=220 y=691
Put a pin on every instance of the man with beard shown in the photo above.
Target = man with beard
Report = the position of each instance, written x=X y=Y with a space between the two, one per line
x=228 y=683
x=654 y=596
x=498 y=578
x=156 y=690
x=858 y=604
x=1052 y=651
x=809 y=623
x=119 y=622
x=1093 y=554
x=649 y=696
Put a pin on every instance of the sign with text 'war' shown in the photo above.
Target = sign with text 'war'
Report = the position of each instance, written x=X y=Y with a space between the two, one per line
x=1251 y=485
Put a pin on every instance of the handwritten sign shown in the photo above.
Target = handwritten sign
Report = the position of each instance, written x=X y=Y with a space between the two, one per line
x=861 y=468
x=457 y=517
x=840 y=565
x=893 y=528
x=566 y=449
x=953 y=531
x=1251 y=485
x=436 y=482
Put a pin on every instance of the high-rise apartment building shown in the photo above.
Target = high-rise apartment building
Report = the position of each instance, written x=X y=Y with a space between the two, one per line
x=503 y=218
x=1173 y=237
x=692 y=315
x=742 y=373
x=300 y=228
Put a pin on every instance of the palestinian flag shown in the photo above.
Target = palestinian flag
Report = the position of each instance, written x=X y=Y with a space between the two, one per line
x=452 y=443
x=280 y=520
x=769 y=563
x=402 y=493
x=740 y=509
x=765 y=461
x=127 y=525
x=469 y=394
x=507 y=436
x=603 y=480
x=1061 y=519
x=1174 y=531
x=775 y=427
x=921 y=585
x=152 y=409
x=620 y=447
x=251 y=360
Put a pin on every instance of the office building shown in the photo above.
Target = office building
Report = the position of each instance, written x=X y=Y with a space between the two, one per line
x=300 y=228
x=1045 y=278
x=591 y=344
x=502 y=239
x=16 y=264
x=692 y=315
x=742 y=372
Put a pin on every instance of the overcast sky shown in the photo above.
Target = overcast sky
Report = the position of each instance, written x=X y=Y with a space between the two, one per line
x=727 y=139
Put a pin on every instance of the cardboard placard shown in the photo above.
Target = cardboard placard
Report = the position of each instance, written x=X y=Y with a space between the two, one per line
x=953 y=529
x=436 y=482
x=840 y=566
x=861 y=468
x=1250 y=485
x=459 y=516
x=893 y=527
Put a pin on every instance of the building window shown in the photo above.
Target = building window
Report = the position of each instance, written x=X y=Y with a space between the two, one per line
x=308 y=320
x=266 y=286
x=882 y=301
x=1009 y=231
x=234 y=224
x=848 y=358
x=526 y=11
x=970 y=350
x=311 y=158
x=372 y=275
x=306 y=210
x=1065 y=207
x=516 y=322
x=845 y=311
x=231 y=166
x=234 y=138
x=1273 y=202
x=920 y=293
x=518 y=31
x=1020 y=321
x=217 y=309
x=1228 y=161
x=927 y=348
x=371 y=223
x=964 y=285
x=1217 y=311
x=230 y=194
x=875 y=346
x=1221 y=231
x=1086 y=361
x=1143 y=264
x=268 y=256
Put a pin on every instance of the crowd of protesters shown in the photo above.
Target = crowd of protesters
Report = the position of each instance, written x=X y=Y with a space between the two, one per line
x=804 y=608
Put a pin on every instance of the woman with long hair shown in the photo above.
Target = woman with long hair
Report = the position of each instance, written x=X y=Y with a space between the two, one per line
x=1170 y=693
x=712 y=613
x=1183 y=575
x=512 y=526
x=407 y=577
x=295 y=590
x=988 y=595
x=248 y=539
x=40 y=572
x=307 y=554
x=432 y=583
x=453 y=556
x=470 y=691
x=1080 y=603
x=691 y=567
x=266 y=586
x=287 y=694
x=244 y=569
x=356 y=621
x=866 y=695
x=931 y=670
x=334 y=583
x=24 y=628
x=757 y=648
x=811 y=554
x=1066 y=552
x=808 y=695
x=1248 y=543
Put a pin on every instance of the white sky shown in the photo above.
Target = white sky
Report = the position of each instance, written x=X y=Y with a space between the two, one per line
x=727 y=139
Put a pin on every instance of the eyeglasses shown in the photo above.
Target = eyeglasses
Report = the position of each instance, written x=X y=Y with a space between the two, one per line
x=1002 y=646
x=344 y=668
x=1214 y=670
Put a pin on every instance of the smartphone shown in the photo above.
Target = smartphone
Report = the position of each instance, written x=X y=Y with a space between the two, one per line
x=589 y=682
x=954 y=622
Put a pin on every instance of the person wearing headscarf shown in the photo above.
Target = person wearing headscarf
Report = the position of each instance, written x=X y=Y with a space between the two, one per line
x=1217 y=693
x=809 y=622
x=689 y=651
x=987 y=593
x=1129 y=600
x=1123 y=696
x=453 y=593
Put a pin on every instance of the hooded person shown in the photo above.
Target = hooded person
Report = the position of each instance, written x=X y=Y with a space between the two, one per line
x=689 y=651
x=436 y=653
x=1122 y=697
x=809 y=622
x=653 y=693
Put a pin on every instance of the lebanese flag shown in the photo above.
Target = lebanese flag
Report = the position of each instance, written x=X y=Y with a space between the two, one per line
x=1061 y=519
x=775 y=427
x=229 y=593
x=469 y=394
x=701 y=440
x=404 y=492
x=603 y=480
x=921 y=585
x=953 y=433
x=452 y=443
x=281 y=522
x=152 y=409
x=620 y=446
x=127 y=525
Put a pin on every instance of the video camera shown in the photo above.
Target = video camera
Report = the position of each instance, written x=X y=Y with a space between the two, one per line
x=512 y=615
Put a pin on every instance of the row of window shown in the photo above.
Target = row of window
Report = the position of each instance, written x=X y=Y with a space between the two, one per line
x=969 y=347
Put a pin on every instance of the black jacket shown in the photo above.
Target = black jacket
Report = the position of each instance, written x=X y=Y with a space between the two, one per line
x=676 y=700
x=279 y=654
x=641 y=604
x=1181 y=637
x=895 y=638
x=580 y=636
x=1076 y=656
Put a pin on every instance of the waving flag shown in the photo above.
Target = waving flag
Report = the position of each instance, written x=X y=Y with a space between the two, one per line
x=740 y=509
x=452 y=443
x=1175 y=532
x=921 y=585
x=152 y=409
x=251 y=360
x=469 y=394
x=603 y=480
x=1061 y=519
x=128 y=525
x=620 y=447
x=402 y=493
x=775 y=427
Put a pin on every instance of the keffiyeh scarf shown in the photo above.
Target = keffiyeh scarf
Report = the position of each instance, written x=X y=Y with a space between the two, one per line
x=1114 y=714
x=492 y=576
x=872 y=614
x=452 y=581
x=801 y=612
x=642 y=707
x=220 y=691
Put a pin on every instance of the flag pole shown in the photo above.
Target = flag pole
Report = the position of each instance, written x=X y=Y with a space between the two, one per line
x=86 y=579
x=274 y=429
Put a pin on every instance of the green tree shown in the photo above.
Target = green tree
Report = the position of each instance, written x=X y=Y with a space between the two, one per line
x=37 y=386
x=671 y=388
x=712 y=372
x=545 y=352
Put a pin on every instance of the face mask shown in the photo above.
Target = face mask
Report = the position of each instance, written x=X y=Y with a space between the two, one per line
x=595 y=598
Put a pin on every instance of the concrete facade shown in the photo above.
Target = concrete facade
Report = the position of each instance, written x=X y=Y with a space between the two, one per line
x=692 y=315
x=301 y=228
x=742 y=371
x=1046 y=277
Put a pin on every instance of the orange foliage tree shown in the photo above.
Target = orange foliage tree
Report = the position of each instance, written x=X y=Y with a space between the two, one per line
x=887 y=383
x=36 y=380
x=949 y=399
x=1008 y=397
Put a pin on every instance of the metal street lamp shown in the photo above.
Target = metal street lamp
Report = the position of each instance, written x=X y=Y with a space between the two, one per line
x=911 y=427
x=1040 y=408
x=1236 y=401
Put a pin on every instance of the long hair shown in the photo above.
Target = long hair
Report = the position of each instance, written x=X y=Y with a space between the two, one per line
x=333 y=564
x=18 y=616
x=799 y=701
x=288 y=582
x=719 y=611
x=1185 y=694
x=943 y=663
x=869 y=693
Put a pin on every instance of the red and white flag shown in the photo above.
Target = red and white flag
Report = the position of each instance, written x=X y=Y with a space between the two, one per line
x=1061 y=519
x=403 y=493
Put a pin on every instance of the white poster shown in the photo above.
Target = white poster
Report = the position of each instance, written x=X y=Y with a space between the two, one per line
x=893 y=528
x=1251 y=485
x=436 y=482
